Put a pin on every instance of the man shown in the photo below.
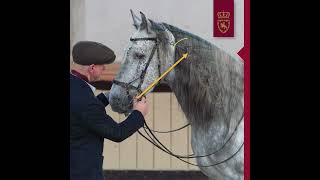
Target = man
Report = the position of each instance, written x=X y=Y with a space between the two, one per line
x=89 y=123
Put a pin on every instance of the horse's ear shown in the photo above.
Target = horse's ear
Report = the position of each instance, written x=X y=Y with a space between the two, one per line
x=145 y=24
x=136 y=20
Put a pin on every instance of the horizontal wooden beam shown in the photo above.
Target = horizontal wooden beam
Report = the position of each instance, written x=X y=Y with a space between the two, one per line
x=106 y=85
x=108 y=75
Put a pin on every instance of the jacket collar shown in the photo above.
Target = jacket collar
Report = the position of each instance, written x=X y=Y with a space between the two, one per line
x=84 y=78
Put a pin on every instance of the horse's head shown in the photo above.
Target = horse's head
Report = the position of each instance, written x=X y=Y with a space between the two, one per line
x=148 y=54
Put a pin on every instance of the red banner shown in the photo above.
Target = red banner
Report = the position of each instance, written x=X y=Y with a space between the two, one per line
x=223 y=18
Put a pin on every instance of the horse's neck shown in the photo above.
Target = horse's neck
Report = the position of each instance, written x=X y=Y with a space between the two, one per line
x=198 y=100
x=209 y=107
x=208 y=84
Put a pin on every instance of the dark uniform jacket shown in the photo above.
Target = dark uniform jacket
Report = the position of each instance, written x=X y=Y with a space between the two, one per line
x=89 y=125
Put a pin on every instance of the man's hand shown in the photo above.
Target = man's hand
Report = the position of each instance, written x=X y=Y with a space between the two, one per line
x=141 y=105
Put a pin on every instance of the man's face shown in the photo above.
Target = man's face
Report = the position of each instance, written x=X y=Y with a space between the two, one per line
x=96 y=71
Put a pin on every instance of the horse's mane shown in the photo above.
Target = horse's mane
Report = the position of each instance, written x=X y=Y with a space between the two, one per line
x=205 y=83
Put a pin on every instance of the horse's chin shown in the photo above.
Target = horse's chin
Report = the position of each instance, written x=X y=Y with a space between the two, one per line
x=125 y=112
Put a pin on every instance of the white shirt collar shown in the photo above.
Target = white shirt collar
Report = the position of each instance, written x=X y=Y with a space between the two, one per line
x=92 y=87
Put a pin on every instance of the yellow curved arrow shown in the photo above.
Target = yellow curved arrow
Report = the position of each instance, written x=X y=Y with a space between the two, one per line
x=179 y=41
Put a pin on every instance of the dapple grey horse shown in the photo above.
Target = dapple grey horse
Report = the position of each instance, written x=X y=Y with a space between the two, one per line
x=208 y=85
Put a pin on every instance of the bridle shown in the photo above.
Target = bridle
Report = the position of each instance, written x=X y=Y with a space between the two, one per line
x=148 y=131
x=128 y=86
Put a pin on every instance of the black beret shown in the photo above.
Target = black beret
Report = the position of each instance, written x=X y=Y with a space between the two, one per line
x=89 y=52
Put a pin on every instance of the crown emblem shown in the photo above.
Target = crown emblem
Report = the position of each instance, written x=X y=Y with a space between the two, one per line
x=223 y=22
x=223 y=15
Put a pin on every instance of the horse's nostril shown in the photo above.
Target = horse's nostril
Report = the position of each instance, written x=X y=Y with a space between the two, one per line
x=116 y=100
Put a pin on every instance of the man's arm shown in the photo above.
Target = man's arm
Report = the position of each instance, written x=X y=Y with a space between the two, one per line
x=104 y=98
x=95 y=118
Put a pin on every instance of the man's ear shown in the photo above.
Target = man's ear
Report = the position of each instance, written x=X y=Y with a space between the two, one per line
x=90 y=68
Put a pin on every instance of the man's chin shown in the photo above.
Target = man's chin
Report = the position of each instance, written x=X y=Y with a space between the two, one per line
x=121 y=111
x=96 y=79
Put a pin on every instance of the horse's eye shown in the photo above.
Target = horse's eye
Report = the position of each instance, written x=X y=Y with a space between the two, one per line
x=139 y=55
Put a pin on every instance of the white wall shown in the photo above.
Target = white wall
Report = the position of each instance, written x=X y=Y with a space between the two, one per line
x=109 y=21
x=77 y=21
